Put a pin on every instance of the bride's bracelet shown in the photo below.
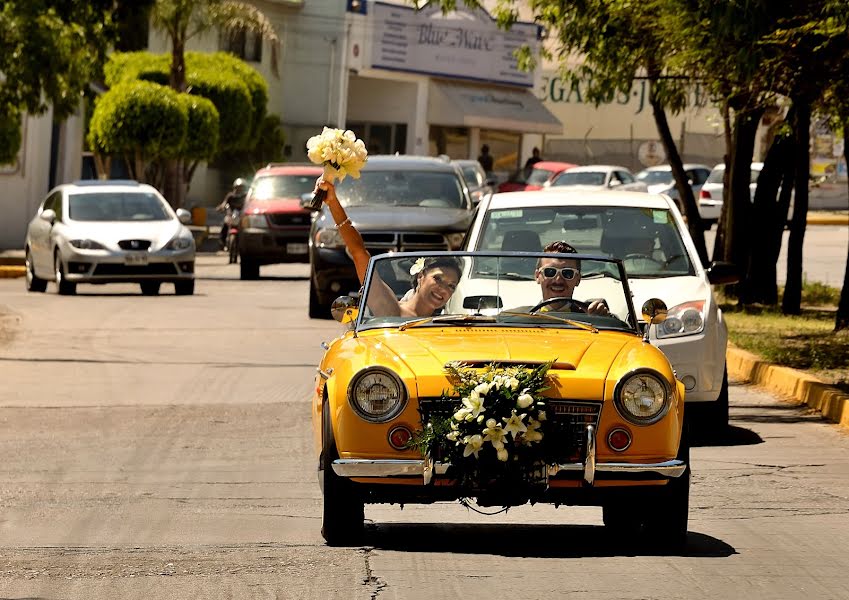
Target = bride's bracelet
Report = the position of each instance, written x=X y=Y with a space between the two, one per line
x=343 y=223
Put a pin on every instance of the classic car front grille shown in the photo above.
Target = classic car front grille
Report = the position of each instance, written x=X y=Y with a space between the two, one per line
x=134 y=244
x=568 y=420
x=289 y=220
x=132 y=270
x=379 y=242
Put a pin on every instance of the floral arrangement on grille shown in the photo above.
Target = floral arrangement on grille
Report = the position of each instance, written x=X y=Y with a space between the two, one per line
x=495 y=431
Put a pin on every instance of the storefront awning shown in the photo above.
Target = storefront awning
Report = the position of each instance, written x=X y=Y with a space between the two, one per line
x=461 y=105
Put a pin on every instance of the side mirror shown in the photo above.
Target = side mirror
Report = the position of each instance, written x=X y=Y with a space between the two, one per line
x=614 y=183
x=306 y=201
x=654 y=311
x=48 y=215
x=720 y=272
x=492 y=181
x=345 y=309
x=184 y=216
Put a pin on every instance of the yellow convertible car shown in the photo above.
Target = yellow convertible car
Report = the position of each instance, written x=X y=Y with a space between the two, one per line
x=500 y=379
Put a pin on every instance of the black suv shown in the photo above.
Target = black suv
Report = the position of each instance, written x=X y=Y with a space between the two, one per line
x=399 y=204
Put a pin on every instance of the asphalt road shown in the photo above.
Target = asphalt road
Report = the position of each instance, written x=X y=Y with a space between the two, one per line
x=160 y=447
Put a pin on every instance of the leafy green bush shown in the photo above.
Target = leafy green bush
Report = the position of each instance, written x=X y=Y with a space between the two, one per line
x=10 y=137
x=202 y=132
x=233 y=101
x=131 y=66
x=140 y=119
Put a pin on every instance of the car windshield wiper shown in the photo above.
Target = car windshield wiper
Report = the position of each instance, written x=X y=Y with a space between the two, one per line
x=506 y=275
x=572 y=322
x=451 y=319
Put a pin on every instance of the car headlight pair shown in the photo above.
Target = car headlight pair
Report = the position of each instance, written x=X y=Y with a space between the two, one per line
x=377 y=395
x=685 y=319
x=87 y=245
x=328 y=238
x=180 y=243
x=455 y=240
x=642 y=397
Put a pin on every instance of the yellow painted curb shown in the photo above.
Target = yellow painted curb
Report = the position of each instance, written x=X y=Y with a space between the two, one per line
x=800 y=387
x=12 y=271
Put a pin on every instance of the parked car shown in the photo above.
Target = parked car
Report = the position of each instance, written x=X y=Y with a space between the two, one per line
x=480 y=185
x=598 y=177
x=595 y=413
x=659 y=179
x=534 y=178
x=649 y=234
x=109 y=231
x=399 y=203
x=274 y=226
x=711 y=194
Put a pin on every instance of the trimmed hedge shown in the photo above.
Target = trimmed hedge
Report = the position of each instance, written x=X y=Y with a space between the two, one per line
x=139 y=116
x=202 y=131
x=10 y=137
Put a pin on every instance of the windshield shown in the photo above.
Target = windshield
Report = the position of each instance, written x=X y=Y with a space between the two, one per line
x=495 y=289
x=648 y=240
x=579 y=178
x=655 y=177
x=117 y=206
x=282 y=186
x=433 y=189
x=539 y=176
x=473 y=176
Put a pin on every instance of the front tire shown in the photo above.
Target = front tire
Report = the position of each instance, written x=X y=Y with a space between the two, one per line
x=317 y=310
x=64 y=287
x=343 y=515
x=150 y=288
x=233 y=246
x=34 y=283
x=184 y=288
x=248 y=269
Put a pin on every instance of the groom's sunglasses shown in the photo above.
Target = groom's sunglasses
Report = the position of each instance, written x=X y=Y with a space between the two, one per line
x=567 y=273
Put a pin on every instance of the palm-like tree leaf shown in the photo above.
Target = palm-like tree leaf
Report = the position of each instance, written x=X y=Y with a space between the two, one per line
x=232 y=15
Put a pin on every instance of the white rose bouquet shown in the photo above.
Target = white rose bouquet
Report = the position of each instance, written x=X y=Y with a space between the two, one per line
x=341 y=154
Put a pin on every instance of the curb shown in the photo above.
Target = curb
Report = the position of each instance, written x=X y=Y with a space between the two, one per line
x=828 y=220
x=798 y=386
x=7 y=272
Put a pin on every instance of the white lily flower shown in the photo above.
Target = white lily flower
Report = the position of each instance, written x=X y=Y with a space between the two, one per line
x=461 y=414
x=474 y=404
x=482 y=389
x=502 y=454
x=514 y=424
x=494 y=434
x=452 y=436
x=473 y=445
x=524 y=400
x=513 y=383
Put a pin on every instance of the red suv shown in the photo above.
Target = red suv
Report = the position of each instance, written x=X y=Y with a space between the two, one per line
x=274 y=226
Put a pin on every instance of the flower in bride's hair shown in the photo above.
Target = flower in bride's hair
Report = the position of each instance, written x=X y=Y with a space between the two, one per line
x=417 y=266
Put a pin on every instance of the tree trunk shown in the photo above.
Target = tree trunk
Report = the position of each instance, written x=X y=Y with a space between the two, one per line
x=173 y=188
x=842 y=320
x=791 y=303
x=738 y=202
x=759 y=284
x=685 y=192
x=178 y=64
x=719 y=240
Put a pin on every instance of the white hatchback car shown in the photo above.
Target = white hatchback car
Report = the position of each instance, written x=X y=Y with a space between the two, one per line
x=107 y=232
x=648 y=233
x=711 y=194
x=598 y=177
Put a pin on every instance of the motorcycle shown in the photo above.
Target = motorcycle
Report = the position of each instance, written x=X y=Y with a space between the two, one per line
x=232 y=244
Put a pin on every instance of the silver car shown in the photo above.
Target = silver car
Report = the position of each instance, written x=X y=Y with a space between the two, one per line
x=109 y=232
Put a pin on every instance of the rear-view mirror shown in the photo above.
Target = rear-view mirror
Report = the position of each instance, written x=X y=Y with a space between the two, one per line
x=482 y=302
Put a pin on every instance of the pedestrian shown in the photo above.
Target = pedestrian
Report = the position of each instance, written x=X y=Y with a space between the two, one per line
x=485 y=159
x=534 y=159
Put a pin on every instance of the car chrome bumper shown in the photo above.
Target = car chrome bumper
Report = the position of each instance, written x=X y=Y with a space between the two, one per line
x=426 y=469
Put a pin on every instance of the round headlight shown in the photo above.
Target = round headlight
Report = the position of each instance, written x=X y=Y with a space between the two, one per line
x=377 y=395
x=642 y=398
x=328 y=238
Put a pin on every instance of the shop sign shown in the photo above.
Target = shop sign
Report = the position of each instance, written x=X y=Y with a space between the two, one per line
x=464 y=44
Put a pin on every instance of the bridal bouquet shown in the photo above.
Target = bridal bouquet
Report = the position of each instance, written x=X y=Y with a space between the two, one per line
x=340 y=153
x=496 y=428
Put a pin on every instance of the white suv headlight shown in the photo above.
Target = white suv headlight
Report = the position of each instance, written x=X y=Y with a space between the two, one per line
x=377 y=395
x=87 y=245
x=179 y=243
x=642 y=397
x=685 y=319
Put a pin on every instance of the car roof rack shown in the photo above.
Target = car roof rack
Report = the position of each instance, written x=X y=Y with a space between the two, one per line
x=95 y=182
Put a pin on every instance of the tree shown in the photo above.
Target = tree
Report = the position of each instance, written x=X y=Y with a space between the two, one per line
x=49 y=51
x=181 y=20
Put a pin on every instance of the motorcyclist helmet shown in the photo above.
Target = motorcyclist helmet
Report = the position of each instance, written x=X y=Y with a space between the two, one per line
x=240 y=185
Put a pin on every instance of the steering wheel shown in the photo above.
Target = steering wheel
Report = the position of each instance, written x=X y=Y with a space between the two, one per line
x=645 y=257
x=571 y=305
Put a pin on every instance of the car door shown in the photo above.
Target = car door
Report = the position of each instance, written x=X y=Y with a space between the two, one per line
x=40 y=246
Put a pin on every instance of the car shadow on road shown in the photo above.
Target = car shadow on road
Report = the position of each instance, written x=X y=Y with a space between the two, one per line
x=532 y=541
x=236 y=279
x=729 y=436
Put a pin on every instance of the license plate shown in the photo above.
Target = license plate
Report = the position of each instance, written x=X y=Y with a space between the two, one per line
x=136 y=258
x=296 y=248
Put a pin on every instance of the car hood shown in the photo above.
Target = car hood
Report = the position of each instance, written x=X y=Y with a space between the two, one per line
x=578 y=188
x=109 y=233
x=672 y=290
x=660 y=188
x=426 y=350
x=403 y=217
x=275 y=205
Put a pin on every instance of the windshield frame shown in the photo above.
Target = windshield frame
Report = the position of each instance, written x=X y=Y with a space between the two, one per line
x=631 y=322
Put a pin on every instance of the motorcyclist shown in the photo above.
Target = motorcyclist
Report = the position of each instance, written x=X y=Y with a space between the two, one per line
x=234 y=200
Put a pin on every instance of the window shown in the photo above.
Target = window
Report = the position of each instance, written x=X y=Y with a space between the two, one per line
x=245 y=44
x=282 y=186
x=117 y=206
x=403 y=188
